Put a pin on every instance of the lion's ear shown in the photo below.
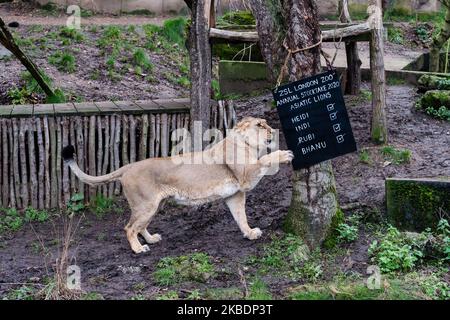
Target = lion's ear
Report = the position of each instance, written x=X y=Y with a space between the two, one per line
x=243 y=125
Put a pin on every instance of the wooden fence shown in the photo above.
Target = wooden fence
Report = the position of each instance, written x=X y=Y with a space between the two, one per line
x=106 y=136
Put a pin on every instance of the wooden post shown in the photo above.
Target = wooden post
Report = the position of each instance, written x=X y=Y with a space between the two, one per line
x=200 y=55
x=353 y=85
x=379 y=129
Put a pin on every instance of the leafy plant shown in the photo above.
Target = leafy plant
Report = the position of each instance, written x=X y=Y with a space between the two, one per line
x=32 y=214
x=76 y=203
x=19 y=95
x=72 y=34
x=11 y=220
x=397 y=156
x=169 y=295
x=23 y=293
x=194 y=267
x=394 y=252
x=395 y=35
x=101 y=205
x=442 y=113
x=175 y=29
x=347 y=233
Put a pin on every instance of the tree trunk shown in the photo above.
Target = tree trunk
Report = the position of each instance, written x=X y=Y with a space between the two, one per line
x=314 y=200
x=439 y=40
x=200 y=55
x=379 y=128
x=353 y=85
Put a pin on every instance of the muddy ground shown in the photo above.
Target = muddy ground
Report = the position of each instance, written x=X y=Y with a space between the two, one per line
x=110 y=269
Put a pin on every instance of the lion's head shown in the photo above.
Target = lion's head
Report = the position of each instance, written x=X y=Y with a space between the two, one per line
x=257 y=132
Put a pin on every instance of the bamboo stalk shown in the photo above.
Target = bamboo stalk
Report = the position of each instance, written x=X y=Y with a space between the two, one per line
x=5 y=163
x=106 y=156
x=111 y=159
x=157 y=135
x=91 y=153
x=221 y=114
x=117 y=152
x=58 y=162
x=125 y=135
x=32 y=163
x=132 y=139
x=14 y=167
x=80 y=150
x=23 y=163
x=15 y=159
x=87 y=188
x=73 y=142
x=41 y=164
x=47 y=178
x=65 y=168
x=144 y=135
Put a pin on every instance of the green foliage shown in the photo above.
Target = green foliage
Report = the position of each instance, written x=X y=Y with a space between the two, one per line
x=423 y=33
x=194 y=295
x=347 y=233
x=32 y=214
x=395 y=35
x=141 y=59
x=397 y=156
x=64 y=61
x=184 y=81
x=443 y=243
x=175 y=30
x=194 y=267
x=57 y=97
x=71 y=34
x=23 y=293
x=395 y=252
x=169 y=295
x=92 y=296
x=442 y=113
x=364 y=156
x=18 y=95
x=237 y=18
x=258 y=290
x=10 y=220
x=100 y=205
x=76 y=203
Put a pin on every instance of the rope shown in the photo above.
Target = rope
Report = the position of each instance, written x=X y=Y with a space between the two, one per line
x=289 y=55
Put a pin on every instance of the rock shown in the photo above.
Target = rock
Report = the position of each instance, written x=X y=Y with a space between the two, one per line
x=417 y=204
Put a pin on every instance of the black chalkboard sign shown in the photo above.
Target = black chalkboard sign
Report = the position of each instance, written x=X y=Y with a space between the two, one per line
x=314 y=119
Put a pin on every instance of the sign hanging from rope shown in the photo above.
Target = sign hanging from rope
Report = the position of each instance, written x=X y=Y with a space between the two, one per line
x=314 y=117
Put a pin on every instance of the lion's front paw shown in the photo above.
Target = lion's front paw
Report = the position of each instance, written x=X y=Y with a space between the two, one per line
x=142 y=249
x=253 y=234
x=286 y=156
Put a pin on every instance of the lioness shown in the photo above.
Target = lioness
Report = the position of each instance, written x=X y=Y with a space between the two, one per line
x=227 y=171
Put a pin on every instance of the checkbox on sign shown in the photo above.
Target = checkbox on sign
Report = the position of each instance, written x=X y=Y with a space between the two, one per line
x=330 y=107
x=337 y=127
x=333 y=116
x=340 y=138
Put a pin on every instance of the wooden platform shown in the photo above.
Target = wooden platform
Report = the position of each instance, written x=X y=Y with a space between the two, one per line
x=96 y=108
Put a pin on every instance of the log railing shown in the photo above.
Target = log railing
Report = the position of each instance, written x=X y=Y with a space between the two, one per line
x=106 y=136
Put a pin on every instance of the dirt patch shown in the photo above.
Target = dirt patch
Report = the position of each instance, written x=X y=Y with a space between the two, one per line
x=112 y=270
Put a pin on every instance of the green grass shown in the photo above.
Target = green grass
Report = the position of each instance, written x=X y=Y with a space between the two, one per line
x=231 y=293
x=258 y=290
x=364 y=157
x=396 y=156
x=169 y=295
x=22 y=293
x=63 y=61
x=71 y=34
x=141 y=59
x=194 y=267
x=175 y=29
x=395 y=35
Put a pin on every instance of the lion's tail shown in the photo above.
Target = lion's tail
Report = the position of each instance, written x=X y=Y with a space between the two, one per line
x=68 y=156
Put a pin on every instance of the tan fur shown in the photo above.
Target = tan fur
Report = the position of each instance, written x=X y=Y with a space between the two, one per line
x=146 y=183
